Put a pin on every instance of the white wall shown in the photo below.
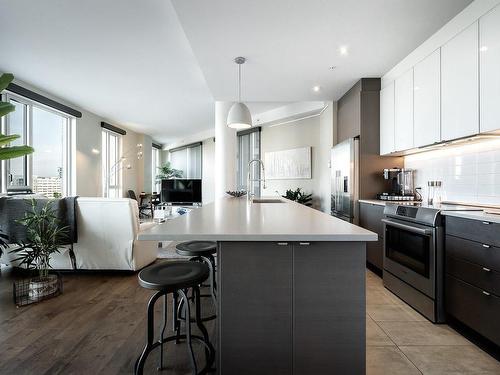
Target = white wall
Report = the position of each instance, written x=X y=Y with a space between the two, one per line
x=88 y=181
x=470 y=173
x=208 y=170
x=327 y=133
x=297 y=134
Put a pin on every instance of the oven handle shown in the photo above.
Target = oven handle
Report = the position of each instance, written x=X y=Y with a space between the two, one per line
x=409 y=228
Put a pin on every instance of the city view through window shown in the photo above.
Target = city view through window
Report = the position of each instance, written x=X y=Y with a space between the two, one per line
x=45 y=170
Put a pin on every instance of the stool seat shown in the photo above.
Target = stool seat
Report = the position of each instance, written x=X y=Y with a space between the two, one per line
x=172 y=276
x=196 y=248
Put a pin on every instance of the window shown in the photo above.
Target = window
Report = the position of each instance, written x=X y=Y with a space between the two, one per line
x=188 y=159
x=155 y=164
x=248 y=149
x=48 y=131
x=111 y=164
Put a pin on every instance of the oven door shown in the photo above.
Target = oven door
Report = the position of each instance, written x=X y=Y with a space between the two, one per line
x=410 y=254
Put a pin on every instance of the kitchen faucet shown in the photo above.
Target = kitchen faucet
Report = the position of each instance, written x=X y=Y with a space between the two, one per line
x=250 y=195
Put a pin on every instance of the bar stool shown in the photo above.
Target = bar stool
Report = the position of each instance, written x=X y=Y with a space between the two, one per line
x=175 y=278
x=202 y=251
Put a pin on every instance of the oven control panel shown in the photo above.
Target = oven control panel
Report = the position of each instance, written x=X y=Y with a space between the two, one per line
x=407 y=211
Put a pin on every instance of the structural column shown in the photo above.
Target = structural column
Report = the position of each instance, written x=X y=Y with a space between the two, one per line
x=225 y=151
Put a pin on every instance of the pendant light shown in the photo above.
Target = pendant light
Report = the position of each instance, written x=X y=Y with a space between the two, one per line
x=239 y=116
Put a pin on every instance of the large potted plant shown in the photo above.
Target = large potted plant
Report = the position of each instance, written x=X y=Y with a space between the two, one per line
x=44 y=235
x=8 y=152
x=166 y=172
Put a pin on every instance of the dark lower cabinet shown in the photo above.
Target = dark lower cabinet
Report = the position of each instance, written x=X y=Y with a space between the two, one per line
x=329 y=309
x=370 y=217
x=255 y=308
x=478 y=309
x=472 y=281
x=291 y=308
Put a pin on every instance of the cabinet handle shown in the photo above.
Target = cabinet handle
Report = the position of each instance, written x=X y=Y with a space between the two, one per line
x=486 y=222
x=486 y=246
x=486 y=293
x=282 y=243
x=486 y=269
x=304 y=243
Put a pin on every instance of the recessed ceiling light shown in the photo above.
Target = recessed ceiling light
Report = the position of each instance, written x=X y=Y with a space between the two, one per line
x=483 y=48
x=343 y=50
x=316 y=88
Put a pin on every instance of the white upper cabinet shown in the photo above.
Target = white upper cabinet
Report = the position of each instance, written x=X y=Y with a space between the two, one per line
x=403 y=111
x=489 y=60
x=460 y=85
x=387 y=120
x=427 y=100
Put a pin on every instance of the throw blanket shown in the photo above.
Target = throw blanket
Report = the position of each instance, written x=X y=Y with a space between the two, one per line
x=12 y=209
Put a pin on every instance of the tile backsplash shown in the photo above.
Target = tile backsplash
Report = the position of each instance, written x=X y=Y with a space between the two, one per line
x=470 y=173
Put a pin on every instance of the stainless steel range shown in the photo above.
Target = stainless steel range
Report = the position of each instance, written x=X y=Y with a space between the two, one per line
x=413 y=256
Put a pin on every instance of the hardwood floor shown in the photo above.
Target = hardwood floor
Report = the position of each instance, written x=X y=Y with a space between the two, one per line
x=97 y=326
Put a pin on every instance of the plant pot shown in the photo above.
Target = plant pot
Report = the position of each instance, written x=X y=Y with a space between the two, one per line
x=41 y=287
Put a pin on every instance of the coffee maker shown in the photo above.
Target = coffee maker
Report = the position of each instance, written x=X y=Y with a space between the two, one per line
x=401 y=185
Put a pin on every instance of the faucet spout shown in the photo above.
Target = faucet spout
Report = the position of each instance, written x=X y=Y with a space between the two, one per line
x=249 y=180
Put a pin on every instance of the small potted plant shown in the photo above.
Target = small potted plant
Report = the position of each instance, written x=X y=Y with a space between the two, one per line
x=299 y=196
x=44 y=238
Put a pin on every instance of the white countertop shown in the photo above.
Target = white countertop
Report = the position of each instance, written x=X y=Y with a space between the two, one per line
x=474 y=215
x=377 y=202
x=236 y=219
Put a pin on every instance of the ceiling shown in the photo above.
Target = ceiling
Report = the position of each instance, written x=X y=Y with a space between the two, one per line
x=156 y=66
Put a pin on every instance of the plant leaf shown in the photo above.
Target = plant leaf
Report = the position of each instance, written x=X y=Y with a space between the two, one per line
x=6 y=139
x=6 y=108
x=5 y=79
x=14 y=152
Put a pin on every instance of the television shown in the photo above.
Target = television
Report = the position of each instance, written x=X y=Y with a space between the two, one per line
x=181 y=191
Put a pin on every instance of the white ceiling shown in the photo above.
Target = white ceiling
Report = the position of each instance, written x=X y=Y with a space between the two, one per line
x=290 y=45
x=157 y=67
x=126 y=60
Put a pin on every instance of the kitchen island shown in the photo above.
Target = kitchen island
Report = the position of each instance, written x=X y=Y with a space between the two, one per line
x=291 y=285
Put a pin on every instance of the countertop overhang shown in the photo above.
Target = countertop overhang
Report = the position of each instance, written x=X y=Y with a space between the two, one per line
x=237 y=219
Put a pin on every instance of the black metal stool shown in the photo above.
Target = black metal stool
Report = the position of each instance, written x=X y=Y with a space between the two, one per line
x=175 y=278
x=202 y=251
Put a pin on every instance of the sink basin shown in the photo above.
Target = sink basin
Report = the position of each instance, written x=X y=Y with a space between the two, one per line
x=267 y=200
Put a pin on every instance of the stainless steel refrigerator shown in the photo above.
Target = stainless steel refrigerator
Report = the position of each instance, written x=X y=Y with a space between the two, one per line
x=344 y=164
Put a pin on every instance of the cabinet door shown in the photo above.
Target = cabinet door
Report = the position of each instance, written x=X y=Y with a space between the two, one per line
x=427 y=97
x=387 y=120
x=370 y=217
x=329 y=308
x=255 y=308
x=489 y=59
x=460 y=85
x=403 y=112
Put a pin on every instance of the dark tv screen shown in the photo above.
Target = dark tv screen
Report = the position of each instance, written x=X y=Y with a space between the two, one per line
x=181 y=191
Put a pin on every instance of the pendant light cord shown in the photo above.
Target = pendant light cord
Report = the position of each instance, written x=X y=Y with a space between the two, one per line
x=239 y=83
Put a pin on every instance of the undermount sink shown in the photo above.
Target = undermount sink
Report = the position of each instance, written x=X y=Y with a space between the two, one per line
x=267 y=200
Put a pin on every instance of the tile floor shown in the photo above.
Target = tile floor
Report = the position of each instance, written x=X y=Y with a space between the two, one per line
x=401 y=341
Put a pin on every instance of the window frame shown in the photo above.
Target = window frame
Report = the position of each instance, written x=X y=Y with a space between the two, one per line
x=155 y=164
x=106 y=166
x=67 y=147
